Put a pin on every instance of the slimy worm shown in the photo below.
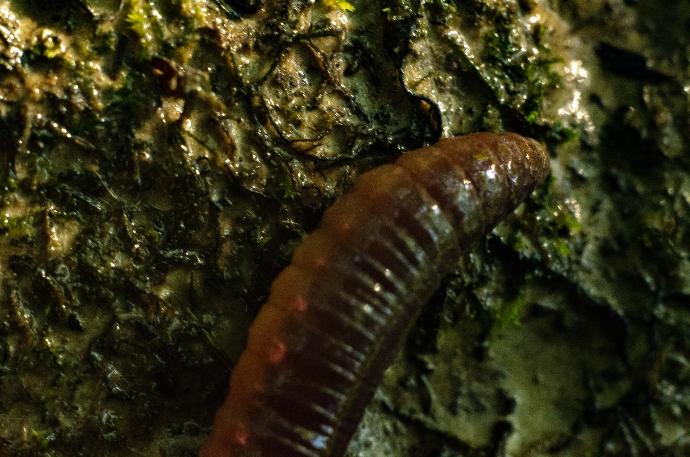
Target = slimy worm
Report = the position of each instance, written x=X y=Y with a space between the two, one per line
x=337 y=315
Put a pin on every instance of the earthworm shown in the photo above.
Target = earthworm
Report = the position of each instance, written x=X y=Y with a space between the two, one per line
x=337 y=315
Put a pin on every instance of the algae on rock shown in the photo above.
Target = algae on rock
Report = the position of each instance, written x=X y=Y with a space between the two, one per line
x=159 y=161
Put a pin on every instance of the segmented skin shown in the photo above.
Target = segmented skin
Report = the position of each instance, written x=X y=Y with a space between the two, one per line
x=337 y=315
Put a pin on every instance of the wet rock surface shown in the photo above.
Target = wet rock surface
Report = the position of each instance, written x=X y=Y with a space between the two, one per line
x=159 y=161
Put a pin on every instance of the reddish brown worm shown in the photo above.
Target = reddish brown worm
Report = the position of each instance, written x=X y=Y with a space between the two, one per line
x=337 y=315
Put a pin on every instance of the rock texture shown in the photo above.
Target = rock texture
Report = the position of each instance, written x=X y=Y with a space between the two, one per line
x=160 y=160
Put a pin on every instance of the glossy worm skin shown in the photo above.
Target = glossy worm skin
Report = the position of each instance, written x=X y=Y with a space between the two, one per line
x=337 y=315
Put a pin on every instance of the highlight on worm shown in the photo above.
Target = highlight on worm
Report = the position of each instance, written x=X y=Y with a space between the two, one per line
x=337 y=315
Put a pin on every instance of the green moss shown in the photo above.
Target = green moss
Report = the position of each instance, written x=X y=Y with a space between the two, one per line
x=20 y=227
x=171 y=229
x=444 y=8
x=289 y=191
x=144 y=21
x=192 y=9
x=532 y=117
x=52 y=49
x=342 y=5
x=559 y=133
x=511 y=312
x=47 y=48
x=518 y=66
x=41 y=438
x=138 y=18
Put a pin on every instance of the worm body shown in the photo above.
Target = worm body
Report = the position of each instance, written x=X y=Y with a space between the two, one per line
x=337 y=315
